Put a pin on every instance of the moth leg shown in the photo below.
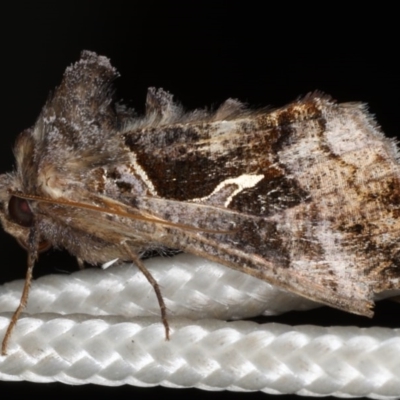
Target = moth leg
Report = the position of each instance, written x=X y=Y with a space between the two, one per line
x=81 y=263
x=32 y=256
x=135 y=259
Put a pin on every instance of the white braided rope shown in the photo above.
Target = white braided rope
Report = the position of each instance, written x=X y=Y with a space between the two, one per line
x=107 y=335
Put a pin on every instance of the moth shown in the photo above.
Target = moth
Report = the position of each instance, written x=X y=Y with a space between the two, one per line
x=306 y=197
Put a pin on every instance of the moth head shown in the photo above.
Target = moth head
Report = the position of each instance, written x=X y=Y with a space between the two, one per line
x=16 y=214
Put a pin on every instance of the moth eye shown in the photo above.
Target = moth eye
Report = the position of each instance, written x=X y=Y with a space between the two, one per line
x=20 y=211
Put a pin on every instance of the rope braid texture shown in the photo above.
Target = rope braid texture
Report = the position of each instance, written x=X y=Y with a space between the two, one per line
x=104 y=327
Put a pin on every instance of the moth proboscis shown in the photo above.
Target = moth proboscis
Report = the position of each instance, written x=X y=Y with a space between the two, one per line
x=306 y=197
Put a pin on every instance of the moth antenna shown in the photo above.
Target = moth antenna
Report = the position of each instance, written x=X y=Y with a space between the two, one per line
x=33 y=244
x=121 y=213
x=135 y=259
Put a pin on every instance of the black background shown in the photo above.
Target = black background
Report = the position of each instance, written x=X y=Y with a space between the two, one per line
x=203 y=53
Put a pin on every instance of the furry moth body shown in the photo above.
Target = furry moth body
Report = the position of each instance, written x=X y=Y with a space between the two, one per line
x=306 y=197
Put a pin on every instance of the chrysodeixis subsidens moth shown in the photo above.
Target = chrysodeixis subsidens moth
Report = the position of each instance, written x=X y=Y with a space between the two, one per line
x=306 y=197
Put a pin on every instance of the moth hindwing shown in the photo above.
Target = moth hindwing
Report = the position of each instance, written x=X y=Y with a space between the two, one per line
x=305 y=197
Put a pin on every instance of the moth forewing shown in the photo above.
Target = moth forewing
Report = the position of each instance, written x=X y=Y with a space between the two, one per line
x=305 y=197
